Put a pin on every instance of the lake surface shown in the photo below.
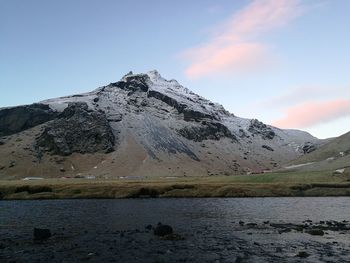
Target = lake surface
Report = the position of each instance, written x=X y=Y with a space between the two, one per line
x=114 y=230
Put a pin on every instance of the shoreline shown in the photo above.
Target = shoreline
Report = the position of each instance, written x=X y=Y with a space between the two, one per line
x=202 y=188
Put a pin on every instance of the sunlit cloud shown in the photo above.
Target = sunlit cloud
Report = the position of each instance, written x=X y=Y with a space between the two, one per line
x=304 y=93
x=234 y=46
x=309 y=114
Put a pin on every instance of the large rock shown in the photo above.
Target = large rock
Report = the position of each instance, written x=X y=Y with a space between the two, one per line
x=77 y=130
x=308 y=147
x=17 y=119
x=40 y=234
x=162 y=230
x=206 y=131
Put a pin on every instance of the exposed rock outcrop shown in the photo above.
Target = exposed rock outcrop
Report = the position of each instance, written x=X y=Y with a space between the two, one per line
x=206 y=131
x=133 y=83
x=258 y=128
x=77 y=130
x=17 y=119
x=308 y=147
x=268 y=148
x=168 y=100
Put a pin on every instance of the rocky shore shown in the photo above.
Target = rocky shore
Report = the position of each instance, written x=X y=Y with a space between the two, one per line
x=308 y=241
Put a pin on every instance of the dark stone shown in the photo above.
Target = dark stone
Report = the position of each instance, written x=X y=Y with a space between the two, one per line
x=302 y=254
x=96 y=99
x=206 y=131
x=189 y=114
x=148 y=227
x=315 y=232
x=278 y=249
x=267 y=148
x=193 y=115
x=12 y=164
x=168 y=100
x=162 y=230
x=41 y=234
x=308 y=147
x=258 y=128
x=1 y=142
x=133 y=83
x=77 y=130
x=16 y=119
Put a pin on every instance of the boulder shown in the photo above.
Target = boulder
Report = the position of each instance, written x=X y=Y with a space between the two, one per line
x=41 y=234
x=315 y=232
x=308 y=147
x=302 y=254
x=162 y=230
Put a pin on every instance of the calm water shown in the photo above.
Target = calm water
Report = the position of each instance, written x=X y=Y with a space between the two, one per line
x=201 y=221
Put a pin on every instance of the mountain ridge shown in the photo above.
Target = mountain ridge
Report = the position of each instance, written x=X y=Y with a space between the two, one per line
x=168 y=128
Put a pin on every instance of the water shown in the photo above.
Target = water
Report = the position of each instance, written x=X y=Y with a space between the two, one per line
x=115 y=229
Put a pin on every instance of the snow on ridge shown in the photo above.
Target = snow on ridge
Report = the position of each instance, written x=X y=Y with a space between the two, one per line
x=184 y=95
x=59 y=104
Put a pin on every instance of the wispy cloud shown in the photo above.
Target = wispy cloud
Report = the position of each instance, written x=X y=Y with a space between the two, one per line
x=311 y=113
x=304 y=93
x=234 y=46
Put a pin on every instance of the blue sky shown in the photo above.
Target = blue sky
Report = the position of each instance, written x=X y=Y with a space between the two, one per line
x=284 y=62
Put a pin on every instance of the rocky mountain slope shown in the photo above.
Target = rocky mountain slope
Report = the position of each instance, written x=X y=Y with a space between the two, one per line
x=142 y=125
x=333 y=155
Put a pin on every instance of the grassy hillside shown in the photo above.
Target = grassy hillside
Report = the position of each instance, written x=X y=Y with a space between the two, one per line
x=334 y=148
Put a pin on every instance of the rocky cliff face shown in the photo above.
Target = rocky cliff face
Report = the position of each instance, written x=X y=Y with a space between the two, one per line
x=142 y=125
x=77 y=130
x=17 y=119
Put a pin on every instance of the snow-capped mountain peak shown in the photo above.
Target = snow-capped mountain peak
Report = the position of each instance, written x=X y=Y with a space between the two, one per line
x=162 y=124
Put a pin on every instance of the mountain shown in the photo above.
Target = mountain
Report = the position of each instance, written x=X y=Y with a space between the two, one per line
x=142 y=125
x=333 y=155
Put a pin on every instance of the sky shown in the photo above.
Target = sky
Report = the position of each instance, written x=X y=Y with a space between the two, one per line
x=284 y=62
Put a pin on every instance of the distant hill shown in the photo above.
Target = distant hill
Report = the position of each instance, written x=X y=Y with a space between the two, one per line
x=334 y=155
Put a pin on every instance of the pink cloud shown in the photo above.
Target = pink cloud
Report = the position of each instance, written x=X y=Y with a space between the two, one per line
x=304 y=93
x=311 y=113
x=239 y=57
x=233 y=46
